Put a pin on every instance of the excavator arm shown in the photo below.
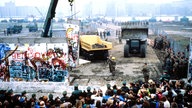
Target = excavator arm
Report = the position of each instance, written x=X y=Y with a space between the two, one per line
x=50 y=15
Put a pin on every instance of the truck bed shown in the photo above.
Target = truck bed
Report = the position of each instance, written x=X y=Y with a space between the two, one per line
x=93 y=43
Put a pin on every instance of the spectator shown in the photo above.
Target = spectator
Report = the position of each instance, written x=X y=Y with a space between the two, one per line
x=65 y=98
x=146 y=104
x=76 y=92
x=98 y=104
x=42 y=104
x=174 y=105
x=89 y=91
x=144 y=91
x=168 y=94
x=124 y=88
x=51 y=100
x=165 y=76
x=97 y=97
x=166 y=102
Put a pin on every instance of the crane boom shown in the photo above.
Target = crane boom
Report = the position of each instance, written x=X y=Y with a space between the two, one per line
x=50 y=14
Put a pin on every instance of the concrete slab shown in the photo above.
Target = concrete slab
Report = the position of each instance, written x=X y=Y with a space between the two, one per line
x=32 y=40
x=83 y=62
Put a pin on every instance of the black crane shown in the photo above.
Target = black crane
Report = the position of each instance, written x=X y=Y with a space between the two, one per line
x=50 y=15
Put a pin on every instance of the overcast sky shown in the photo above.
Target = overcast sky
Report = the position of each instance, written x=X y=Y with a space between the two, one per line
x=63 y=6
x=80 y=2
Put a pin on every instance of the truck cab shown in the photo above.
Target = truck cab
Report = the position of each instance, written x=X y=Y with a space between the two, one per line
x=135 y=47
x=135 y=33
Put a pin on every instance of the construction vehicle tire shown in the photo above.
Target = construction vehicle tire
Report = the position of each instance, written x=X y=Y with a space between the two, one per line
x=143 y=51
x=126 y=51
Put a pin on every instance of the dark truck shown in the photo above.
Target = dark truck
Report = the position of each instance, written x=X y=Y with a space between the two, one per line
x=14 y=29
x=32 y=27
x=135 y=33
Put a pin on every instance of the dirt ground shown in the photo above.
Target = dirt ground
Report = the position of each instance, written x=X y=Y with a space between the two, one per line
x=129 y=69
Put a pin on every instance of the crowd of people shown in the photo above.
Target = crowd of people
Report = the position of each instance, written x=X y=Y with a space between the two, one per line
x=175 y=63
x=139 y=94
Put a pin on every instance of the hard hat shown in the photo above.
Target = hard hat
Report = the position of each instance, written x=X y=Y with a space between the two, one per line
x=113 y=58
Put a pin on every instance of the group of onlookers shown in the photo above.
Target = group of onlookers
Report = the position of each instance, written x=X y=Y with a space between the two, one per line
x=152 y=94
x=175 y=62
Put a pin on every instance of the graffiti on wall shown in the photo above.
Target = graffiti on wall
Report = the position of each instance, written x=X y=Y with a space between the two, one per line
x=72 y=36
x=37 y=61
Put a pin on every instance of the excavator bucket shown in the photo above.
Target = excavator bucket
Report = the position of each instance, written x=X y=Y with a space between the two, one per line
x=134 y=30
x=140 y=33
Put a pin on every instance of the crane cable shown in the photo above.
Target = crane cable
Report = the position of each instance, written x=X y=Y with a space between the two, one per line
x=71 y=4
